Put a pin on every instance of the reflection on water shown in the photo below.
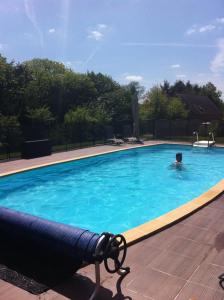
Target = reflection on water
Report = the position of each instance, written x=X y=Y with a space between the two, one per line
x=177 y=166
x=179 y=171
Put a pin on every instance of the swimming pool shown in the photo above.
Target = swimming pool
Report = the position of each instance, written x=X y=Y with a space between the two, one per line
x=114 y=192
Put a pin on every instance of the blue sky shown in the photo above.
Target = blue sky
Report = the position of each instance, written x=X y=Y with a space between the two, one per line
x=144 y=40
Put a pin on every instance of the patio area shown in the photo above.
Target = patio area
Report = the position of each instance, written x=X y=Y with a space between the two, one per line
x=181 y=262
x=19 y=164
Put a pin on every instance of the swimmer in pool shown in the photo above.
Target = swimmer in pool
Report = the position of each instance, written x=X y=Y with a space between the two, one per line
x=178 y=159
x=178 y=162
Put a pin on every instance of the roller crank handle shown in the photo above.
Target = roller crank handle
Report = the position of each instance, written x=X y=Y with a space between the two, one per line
x=116 y=246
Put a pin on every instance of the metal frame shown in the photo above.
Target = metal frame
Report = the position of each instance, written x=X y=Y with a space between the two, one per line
x=100 y=256
x=221 y=280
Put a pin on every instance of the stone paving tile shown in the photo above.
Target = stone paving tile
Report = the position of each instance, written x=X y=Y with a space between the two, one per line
x=133 y=296
x=208 y=211
x=175 y=264
x=216 y=257
x=162 y=240
x=218 y=224
x=218 y=204
x=207 y=275
x=194 y=291
x=147 y=253
x=204 y=217
x=138 y=260
x=190 y=248
x=200 y=235
x=157 y=285
x=199 y=220
x=10 y=292
x=50 y=295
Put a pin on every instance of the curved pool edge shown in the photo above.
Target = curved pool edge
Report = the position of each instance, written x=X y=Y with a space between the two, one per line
x=57 y=162
x=151 y=227
x=154 y=226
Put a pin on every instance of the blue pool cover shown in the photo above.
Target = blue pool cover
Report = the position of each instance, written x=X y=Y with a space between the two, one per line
x=48 y=238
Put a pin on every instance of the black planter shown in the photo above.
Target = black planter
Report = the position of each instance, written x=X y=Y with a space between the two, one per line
x=37 y=148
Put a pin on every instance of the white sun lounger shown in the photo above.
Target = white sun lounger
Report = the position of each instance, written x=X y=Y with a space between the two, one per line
x=204 y=144
x=115 y=141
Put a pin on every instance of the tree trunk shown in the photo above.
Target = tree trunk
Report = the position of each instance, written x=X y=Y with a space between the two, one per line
x=135 y=114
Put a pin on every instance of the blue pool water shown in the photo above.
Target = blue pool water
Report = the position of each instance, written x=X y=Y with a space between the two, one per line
x=114 y=192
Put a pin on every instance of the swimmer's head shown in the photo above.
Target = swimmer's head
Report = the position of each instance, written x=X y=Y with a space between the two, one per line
x=179 y=157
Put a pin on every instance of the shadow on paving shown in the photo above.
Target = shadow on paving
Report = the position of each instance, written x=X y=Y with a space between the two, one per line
x=81 y=287
x=38 y=276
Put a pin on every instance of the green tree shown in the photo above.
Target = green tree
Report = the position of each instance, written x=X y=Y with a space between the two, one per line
x=78 y=123
x=104 y=84
x=37 y=123
x=157 y=105
x=46 y=85
x=78 y=116
x=10 y=132
x=136 y=90
x=13 y=79
x=176 y=109
x=40 y=116
x=116 y=105
x=39 y=67
x=78 y=90
x=154 y=105
x=214 y=94
x=165 y=87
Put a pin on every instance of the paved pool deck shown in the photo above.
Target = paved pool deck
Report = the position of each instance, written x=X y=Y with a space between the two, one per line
x=21 y=164
x=178 y=263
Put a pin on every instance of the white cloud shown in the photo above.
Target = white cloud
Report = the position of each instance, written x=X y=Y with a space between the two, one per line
x=3 y=46
x=133 y=78
x=200 y=29
x=220 y=20
x=96 y=35
x=175 y=66
x=191 y=30
x=206 y=28
x=181 y=76
x=72 y=63
x=98 y=32
x=217 y=64
x=51 y=30
x=213 y=25
x=102 y=26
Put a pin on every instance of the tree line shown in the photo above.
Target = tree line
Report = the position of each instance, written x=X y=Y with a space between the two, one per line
x=162 y=102
x=42 y=93
x=46 y=90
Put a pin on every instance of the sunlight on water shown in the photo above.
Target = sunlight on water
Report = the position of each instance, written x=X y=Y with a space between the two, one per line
x=114 y=192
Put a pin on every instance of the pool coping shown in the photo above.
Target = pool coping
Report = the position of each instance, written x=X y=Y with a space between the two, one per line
x=151 y=227
x=156 y=225
x=38 y=166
